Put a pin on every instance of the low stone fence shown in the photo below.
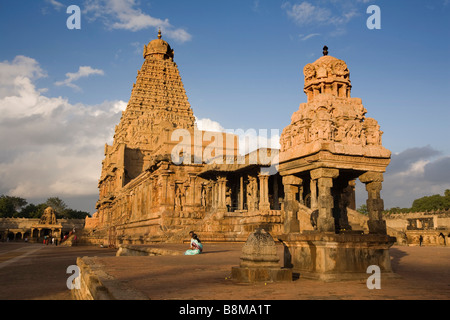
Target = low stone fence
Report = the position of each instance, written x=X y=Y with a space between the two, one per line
x=130 y=250
x=96 y=284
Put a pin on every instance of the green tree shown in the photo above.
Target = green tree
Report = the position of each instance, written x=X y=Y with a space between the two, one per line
x=434 y=202
x=58 y=205
x=33 y=211
x=76 y=214
x=363 y=209
x=7 y=207
x=18 y=203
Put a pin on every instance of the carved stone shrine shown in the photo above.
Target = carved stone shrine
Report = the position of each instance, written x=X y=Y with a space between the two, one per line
x=327 y=146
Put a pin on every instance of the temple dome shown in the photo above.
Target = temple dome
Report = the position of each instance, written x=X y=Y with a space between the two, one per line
x=327 y=75
x=158 y=49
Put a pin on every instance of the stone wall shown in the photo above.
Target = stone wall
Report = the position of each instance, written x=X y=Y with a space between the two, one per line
x=433 y=227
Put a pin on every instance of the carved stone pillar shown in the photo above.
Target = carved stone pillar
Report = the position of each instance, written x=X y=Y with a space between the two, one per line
x=209 y=196
x=164 y=185
x=291 y=223
x=276 y=204
x=264 y=203
x=346 y=200
x=313 y=187
x=375 y=205
x=222 y=189
x=352 y=198
x=325 y=176
x=252 y=194
x=190 y=191
x=241 y=193
x=199 y=186
x=214 y=195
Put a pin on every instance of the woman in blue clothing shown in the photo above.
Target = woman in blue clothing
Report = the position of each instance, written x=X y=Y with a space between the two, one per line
x=196 y=245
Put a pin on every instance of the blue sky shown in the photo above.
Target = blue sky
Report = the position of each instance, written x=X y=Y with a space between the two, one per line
x=61 y=90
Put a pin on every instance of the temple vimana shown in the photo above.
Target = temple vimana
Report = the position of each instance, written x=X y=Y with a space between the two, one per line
x=163 y=177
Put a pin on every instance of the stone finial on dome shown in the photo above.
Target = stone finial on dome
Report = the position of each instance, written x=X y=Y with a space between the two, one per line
x=325 y=51
x=158 y=49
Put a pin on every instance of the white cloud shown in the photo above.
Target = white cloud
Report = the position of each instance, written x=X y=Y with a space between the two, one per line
x=412 y=174
x=306 y=13
x=206 y=124
x=83 y=71
x=309 y=36
x=56 y=4
x=125 y=14
x=21 y=67
x=249 y=139
x=326 y=13
x=50 y=147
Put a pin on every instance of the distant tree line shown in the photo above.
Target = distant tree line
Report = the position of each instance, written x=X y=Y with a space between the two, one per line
x=16 y=207
x=435 y=202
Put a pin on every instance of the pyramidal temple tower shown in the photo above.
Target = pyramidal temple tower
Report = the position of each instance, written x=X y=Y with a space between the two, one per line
x=157 y=106
x=158 y=100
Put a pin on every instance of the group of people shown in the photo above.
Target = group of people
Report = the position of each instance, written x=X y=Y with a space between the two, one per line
x=51 y=240
x=55 y=240
x=196 y=245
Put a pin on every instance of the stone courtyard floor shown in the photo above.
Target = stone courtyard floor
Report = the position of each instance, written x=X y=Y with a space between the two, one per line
x=423 y=273
x=38 y=272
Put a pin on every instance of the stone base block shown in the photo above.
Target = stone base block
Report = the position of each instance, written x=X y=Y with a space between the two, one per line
x=240 y=274
x=336 y=257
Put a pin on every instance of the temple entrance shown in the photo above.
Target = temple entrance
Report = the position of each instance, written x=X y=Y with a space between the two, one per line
x=46 y=232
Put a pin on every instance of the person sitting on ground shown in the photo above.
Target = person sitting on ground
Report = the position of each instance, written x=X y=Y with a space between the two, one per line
x=196 y=245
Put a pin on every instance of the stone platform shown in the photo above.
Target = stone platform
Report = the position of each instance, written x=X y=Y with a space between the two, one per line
x=422 y=272
x=337 y=257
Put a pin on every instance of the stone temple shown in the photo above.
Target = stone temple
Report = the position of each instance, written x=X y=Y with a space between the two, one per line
x=146 y=196
x=162 y=177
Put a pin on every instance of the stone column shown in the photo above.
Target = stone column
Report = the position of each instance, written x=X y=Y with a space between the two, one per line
x=313 y=187
x=209 y=196
x=264 y=192
x=352 y=198
x=375 y=205
x=241 y=193
x=190 y=192
x=199 y=186
x=276 y=204
x=325 y=176
x=222 y=189
x=213 y=195
x=252 y=193
x=291 y=223
x=164 y=188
